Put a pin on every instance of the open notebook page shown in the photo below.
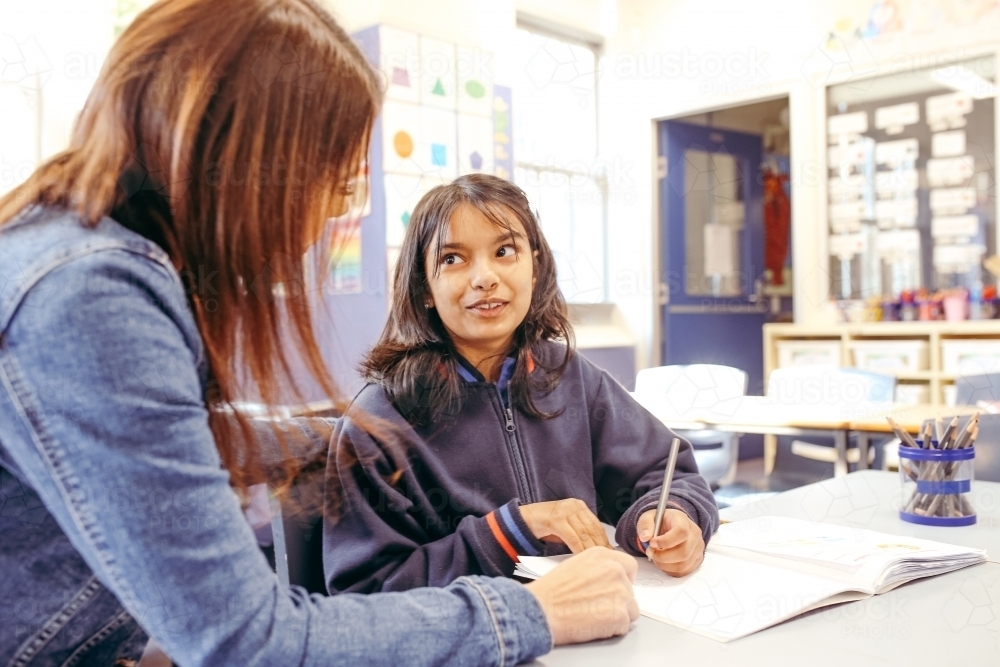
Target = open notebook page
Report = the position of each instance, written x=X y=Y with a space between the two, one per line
x=724 y=599
x=867 y=559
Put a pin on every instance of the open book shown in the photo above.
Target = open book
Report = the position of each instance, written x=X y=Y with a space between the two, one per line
x=759 y=572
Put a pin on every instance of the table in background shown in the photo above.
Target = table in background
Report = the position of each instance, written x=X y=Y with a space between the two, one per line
x=952 y=619
x=763 y=415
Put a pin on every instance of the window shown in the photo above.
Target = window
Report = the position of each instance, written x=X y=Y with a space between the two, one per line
x=555 y=152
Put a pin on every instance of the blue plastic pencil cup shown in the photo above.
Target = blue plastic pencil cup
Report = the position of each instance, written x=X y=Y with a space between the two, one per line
x=936 y=485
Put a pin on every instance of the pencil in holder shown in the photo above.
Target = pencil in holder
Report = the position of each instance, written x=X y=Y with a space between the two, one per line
x=936 y=485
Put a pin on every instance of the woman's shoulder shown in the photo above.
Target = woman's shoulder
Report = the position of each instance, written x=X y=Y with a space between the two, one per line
x=45 y=241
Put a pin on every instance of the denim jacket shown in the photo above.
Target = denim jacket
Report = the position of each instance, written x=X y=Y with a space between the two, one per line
x=116 y=517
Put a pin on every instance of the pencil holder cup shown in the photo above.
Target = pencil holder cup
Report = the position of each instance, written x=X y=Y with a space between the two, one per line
x=936 y=484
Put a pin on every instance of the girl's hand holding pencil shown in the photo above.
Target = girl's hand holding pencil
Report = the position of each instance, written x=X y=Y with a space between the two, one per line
x=679 y=548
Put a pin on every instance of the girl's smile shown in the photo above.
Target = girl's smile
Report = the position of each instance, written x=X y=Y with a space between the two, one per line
x=488 y=307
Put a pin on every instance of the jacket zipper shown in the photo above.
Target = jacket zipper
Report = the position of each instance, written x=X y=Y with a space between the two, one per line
x=515 y=451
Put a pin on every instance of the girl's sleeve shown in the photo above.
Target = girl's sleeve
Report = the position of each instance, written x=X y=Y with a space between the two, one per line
x=104 y=419
x=631 y=448
x=390 y=535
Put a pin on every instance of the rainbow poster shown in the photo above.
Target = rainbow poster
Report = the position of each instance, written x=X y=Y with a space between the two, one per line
x=345 y=256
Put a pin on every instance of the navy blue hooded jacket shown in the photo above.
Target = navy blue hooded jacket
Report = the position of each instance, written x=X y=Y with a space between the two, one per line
x=452 y=510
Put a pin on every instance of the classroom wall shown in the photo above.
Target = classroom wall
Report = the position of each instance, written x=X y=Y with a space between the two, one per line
x=661 y=59
x=668 y=59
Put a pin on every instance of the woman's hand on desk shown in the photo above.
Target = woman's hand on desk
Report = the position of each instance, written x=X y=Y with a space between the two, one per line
x=679 y=548
x=569 y=521
x=589 y=596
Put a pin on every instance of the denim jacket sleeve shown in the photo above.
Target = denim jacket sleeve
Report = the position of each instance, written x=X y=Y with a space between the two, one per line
x=101 y=363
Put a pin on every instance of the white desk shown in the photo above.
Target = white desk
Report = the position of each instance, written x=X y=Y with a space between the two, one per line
x=952 y=620
x=764 y=415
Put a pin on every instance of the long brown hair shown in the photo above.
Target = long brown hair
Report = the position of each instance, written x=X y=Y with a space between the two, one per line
x=225 y=131
x=415 y=360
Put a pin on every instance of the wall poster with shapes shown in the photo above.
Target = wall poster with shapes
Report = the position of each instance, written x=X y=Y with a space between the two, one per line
x=475 y=82
x=437 y=68
x=399 y=55
x=401 y=126
x=345 y=255
x=402 y=192
x=475 y=144
x=932 y=175
x=435 y=153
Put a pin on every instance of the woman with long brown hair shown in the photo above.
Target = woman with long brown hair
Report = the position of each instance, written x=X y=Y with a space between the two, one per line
x=138 y=274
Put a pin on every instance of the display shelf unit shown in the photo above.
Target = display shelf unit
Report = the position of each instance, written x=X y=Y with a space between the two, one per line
x=933 y=332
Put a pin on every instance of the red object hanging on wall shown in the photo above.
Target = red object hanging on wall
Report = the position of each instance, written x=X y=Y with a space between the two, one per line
x=777 y=222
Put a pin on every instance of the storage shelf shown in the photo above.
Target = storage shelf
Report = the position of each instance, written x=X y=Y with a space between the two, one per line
x=932 y=332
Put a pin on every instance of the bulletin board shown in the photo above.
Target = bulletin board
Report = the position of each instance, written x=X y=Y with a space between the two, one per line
x=911 y=181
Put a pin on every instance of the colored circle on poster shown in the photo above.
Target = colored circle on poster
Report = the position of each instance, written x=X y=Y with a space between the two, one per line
x=475 y=89
x=405 y=218
x=403 y=143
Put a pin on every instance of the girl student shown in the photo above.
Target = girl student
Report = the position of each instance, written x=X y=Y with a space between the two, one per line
x=118 y=464
x=515 y=444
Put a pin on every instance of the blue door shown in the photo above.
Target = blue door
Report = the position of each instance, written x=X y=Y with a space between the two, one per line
x=712 y=253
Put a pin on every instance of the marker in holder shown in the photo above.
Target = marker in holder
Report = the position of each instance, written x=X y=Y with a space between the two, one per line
x=936 y=484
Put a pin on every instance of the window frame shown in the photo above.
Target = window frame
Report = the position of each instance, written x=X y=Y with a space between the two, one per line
x=597 y=173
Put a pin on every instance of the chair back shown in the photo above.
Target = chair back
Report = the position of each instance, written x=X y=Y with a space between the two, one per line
x=970 y=389
x=830 y=385
x=691 y=387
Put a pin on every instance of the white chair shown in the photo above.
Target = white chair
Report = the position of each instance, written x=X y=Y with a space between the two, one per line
x=680 y=390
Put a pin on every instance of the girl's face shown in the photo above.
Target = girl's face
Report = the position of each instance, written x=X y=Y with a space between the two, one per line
x=483 y=282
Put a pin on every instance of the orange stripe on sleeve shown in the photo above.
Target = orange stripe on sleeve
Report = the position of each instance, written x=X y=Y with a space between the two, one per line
x=501 y=538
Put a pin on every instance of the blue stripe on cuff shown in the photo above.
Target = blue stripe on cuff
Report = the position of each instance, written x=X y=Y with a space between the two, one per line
x=514 y=530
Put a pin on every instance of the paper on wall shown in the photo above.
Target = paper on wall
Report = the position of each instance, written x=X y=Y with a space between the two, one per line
x=848 y=188
x=400 y=134
x=895 y=118
x=948 y=144
x=475 y=81
x=719 y=249
x=436 y=154
x=901 y=212
x=897 y=244
x=438 y=75
x=853 y=210
x=955 y=225
x=400 y=63
x=854 y=153
x=900 y=151
x=845 y=226
x=895 y=181
x=475 y=144
x=946 y=201
x=402 y=192
x=945 y=171
x=957 y=258
x=948 y=111
x=847 y=124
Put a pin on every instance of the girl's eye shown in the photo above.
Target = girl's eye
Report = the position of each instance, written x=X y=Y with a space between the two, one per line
x=507 y=251
x=449 y=259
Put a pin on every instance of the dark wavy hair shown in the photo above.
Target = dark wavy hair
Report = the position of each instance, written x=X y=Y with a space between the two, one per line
x=414 y=360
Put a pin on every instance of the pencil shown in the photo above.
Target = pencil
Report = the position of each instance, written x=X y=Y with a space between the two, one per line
x=668 y=476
